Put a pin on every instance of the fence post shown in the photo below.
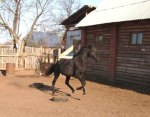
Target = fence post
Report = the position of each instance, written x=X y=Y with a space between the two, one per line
x=2 y=58
x=41 y=50
x=17 y=62
x=10 y=69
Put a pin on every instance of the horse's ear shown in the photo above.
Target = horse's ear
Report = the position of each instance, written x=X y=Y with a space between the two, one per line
x=91 y=46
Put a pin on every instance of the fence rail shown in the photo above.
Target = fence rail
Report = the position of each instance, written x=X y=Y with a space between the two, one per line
x=26 y=60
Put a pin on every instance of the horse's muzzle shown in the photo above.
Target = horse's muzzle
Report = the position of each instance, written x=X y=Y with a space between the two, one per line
x=97 y=59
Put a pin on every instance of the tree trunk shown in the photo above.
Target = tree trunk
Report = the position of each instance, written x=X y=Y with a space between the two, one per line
x=63 y=42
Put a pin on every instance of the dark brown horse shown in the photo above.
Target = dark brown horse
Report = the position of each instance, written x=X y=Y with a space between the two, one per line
x=73 y=67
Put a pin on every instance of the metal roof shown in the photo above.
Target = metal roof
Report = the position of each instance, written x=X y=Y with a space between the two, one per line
x=78 y=15
x=119 y=11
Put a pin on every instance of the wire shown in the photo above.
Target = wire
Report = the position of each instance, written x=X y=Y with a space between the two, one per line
x=123 y=6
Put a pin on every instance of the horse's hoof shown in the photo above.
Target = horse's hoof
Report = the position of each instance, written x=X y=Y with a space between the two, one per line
x=54 y=94
x=79 y=88
x=73 y=91
x=68 y=94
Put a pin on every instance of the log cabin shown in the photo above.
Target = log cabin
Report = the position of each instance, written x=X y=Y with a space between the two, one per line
x=121 y=35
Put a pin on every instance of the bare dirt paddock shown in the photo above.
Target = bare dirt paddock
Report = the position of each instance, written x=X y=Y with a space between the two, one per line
x=20 y=96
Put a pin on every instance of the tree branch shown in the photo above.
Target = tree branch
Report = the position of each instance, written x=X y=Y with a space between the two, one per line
x=8 y=8
x=16 y=18
x=28 y=36
x=6 y=26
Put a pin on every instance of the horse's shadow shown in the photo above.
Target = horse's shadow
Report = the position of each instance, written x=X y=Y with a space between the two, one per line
x=47 y=89
x=44 y=88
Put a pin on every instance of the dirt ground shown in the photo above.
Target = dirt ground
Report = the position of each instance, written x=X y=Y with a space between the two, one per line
x=20 y=96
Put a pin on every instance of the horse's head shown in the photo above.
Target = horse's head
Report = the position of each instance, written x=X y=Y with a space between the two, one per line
x=92 y=52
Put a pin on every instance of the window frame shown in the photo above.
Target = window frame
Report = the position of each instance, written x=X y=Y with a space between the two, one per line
x=99 y=40
x=137 y=39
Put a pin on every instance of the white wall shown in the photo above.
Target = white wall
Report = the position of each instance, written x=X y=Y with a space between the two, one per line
x=71 y=35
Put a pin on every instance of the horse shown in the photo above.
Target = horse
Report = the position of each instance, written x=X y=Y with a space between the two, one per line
x=73 y=67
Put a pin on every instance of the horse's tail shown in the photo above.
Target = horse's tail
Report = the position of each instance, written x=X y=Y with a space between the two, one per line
x=50 y=70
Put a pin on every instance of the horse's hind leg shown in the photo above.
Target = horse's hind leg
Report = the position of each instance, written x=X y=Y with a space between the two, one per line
x=54 y=82
x=67 y=83
x=82 y=80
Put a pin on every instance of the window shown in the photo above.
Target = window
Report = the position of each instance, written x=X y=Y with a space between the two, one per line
x=90 y=39
x=136 y=38
x=99 y=41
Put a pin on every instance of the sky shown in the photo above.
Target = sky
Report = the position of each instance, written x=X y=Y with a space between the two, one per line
x=83 y=2
x=91 y=2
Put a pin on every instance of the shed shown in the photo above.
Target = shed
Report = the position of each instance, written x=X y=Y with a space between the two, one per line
x=121 y=34
x=76 y=17
x=74 y=34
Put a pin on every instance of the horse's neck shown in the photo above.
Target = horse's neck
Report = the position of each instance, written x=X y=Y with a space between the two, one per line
x=83 y=56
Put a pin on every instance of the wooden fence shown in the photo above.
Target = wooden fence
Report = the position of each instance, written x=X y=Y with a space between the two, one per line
x=26 y=60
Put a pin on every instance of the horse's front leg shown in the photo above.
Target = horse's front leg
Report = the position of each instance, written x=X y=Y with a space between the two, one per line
x=83 y=76
x=54 y=82
x=67 y=83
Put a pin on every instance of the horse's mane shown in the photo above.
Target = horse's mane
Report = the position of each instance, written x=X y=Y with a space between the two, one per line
x=79 y=52
x=89 y=47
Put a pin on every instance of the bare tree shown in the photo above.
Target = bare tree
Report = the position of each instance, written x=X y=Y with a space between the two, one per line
x=63 y=9
x=20 y=18
x=67 y=8
x=37 y=43
x=17 y=13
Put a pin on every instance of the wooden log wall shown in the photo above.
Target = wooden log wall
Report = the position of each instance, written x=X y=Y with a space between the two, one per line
x=99 y=68
x=133 y=61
